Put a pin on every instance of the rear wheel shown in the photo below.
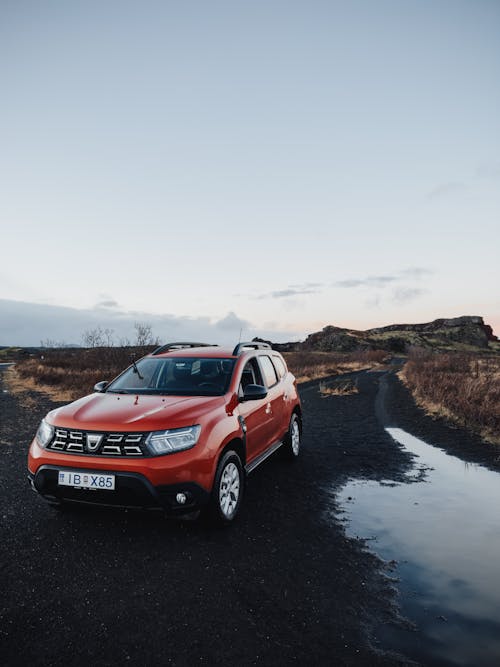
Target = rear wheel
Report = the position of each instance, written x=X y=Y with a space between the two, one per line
x=227 y=491
x=293 y=437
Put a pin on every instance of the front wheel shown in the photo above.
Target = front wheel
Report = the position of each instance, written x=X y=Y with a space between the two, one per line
x=227 y=491
x=292 y=441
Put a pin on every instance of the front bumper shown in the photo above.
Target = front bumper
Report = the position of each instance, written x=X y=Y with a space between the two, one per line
x=131 y=490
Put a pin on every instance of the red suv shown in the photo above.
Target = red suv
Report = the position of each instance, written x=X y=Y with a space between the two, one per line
x=177 y=430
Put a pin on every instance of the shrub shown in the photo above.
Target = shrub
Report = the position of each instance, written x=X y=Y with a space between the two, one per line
x=464 y=387
x=77 y=370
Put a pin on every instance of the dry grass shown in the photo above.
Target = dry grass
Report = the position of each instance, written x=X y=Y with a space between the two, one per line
x=314 y=365
x=461 y=387
x=65 y=375
x=338 y=388
x=21 y=386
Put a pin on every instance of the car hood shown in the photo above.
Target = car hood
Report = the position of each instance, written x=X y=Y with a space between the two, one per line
x=130 y=412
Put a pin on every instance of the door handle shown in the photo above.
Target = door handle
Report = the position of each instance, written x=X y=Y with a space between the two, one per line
x=268 y=409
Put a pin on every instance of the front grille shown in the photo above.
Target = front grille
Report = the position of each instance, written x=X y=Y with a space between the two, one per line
x=94 y=443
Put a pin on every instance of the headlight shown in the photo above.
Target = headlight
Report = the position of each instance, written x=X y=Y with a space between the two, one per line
x=44 y=433
x=172 y=440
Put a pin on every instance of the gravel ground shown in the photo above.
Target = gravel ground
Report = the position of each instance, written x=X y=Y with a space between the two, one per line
x=282 y=586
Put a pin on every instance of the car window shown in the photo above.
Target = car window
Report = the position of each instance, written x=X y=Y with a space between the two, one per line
x=269 y=372
x=185 y=376
x=250 y=375
x=279 y=366
x=141 y=376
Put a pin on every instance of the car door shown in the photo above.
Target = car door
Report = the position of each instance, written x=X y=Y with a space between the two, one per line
x=274 y=397
x=257 y=414
x=287 y=393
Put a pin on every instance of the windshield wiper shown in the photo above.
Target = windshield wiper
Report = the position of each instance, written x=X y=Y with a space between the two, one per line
x=136 y=370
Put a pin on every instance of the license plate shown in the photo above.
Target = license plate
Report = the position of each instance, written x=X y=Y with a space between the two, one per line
x=86 y=480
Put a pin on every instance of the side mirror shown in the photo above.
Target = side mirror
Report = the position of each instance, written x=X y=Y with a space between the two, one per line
x=254 y=392
x=101 y=386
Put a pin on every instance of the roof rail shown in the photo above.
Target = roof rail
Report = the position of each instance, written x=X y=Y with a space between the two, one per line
x=179 y=346
x=253 y=345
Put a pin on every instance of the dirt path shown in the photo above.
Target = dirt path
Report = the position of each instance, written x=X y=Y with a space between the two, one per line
x=282 y=586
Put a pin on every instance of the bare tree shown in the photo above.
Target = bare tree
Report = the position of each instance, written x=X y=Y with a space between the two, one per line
x=48 y=342
x=94 y=337
x=104 y=337
x=144 y=334
x=108 y=335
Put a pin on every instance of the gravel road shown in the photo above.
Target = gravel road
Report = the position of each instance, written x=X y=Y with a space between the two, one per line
x=282 y=586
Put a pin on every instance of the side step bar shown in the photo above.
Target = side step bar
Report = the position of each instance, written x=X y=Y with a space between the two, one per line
x=262 y=457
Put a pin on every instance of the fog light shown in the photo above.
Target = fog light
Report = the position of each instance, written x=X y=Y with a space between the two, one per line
x=181 y=498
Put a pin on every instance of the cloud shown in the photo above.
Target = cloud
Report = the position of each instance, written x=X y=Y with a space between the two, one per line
x=413 y=272
x=404 y=295
x=232 y=323
x=416 y=272
x=26 y=324
x=306 y=286
x=107 y=303
x=380 y=281
x=402 y=292
x=285 y=293
x=446 y=189
x=370 y=281
x=349 y=283
x=291 y=291
x=489 y=170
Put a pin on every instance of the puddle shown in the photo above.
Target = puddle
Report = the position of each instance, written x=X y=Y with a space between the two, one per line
x=443 y=529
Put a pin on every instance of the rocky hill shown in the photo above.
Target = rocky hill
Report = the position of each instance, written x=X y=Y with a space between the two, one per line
x=458 y=333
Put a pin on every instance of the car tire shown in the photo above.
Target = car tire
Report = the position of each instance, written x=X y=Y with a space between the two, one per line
x=227 y=491
x=293 y=438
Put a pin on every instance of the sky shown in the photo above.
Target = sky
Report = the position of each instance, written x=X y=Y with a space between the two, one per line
x=266 y=167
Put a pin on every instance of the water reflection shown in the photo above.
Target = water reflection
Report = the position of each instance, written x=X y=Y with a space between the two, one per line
x=443 y=528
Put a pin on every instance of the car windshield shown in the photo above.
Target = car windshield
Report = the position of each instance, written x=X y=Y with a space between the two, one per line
x=181 y=376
